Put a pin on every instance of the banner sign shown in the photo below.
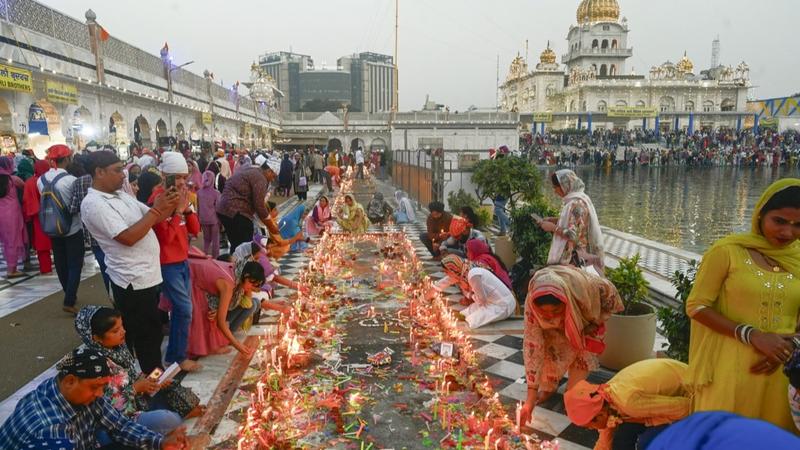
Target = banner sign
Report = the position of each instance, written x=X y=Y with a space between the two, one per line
x=37 y=120
x=15 y=79
x=62 y=92
x=544 y=117
x=633 y=112
x=207 y=118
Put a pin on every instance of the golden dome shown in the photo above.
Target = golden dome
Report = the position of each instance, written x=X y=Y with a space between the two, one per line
x=685 y=65
x=548 y=56
x=598 y=11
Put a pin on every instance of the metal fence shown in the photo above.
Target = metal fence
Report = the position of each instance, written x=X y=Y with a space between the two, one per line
x=411 y=172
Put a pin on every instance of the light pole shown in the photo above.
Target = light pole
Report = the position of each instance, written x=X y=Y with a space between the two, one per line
x=170 y=91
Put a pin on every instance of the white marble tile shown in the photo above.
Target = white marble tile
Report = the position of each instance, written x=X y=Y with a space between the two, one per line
x=497 y=351
x=225 y=430
x=549 y=422
x=567 y=445
x=486 y=337
x=517 y=391
x=507 y=369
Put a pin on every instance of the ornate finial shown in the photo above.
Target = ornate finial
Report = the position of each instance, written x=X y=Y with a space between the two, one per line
x=90 y=15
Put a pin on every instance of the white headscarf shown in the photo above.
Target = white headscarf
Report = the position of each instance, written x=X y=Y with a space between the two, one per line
x=573 y=188
x=404 y=204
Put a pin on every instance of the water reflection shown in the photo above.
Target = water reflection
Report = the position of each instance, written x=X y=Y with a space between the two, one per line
x=688 y=208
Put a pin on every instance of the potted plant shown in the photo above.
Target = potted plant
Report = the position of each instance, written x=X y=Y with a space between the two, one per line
x=631 y=334
x=674 y=321
x=530 y=242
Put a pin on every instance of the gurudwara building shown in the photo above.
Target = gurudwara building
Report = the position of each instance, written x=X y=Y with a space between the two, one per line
x=594 y=87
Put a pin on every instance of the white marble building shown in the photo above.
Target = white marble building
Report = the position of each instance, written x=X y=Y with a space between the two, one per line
x=595 y=87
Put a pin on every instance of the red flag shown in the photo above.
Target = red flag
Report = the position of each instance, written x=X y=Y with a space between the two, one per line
x=104 y=34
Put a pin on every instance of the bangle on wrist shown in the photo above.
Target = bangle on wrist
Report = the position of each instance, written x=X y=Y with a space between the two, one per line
x=156 y=212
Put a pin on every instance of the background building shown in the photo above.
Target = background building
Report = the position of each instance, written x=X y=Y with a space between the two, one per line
x=363 y=81
x=594 y=89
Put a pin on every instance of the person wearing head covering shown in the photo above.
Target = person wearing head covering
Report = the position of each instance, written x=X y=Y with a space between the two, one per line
x=352 y=218
x=129 y=390
x=489 y=299
x=378 y=210
x=285 y=176
x=25 y=167
x=479 y=252
x=744 y=307
x=13 y=236
x=461 y=231
x=719 y=430
x=320 y=220
x=405 y=210
x=244 y=202
x=290 y=226
x=641 y=398
x=577 y=237
x=244 y=162
x=31 y=201
x=68 y=249
x=565 y=314
x=68 y=410
x=173 y=239
x=207 y=199
x=224 y=165
x=334 y=177
x=195 y=176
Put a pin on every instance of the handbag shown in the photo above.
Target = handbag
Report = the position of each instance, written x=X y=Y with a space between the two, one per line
x=180 y=399
x=302 y=181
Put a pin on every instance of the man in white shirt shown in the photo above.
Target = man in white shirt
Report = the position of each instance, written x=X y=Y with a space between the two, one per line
x=68 y=250
x=360 y=163
x=122 y=227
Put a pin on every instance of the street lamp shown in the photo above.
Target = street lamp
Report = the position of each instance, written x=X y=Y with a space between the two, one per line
x=169 y=89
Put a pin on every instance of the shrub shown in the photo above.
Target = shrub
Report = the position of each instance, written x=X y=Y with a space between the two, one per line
x=531 y=243
x=511 y=177
x=675 y=323
x=631 y=285
x=458 y=199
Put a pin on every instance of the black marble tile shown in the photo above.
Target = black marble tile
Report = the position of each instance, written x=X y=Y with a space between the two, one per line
x=579 y=435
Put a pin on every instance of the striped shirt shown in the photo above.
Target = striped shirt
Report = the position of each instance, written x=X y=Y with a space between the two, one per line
x=44 y=414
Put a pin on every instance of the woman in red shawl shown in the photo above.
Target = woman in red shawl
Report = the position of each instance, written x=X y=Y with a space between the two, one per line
x=31 y=200
x=479 y=252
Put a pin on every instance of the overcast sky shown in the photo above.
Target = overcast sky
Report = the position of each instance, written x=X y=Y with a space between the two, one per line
x=449 y=48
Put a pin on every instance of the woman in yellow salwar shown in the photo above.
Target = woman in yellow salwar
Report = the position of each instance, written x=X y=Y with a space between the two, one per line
x=744 y=310
x=352 y=217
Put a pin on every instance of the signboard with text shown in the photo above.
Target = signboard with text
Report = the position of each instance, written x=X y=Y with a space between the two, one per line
x=633 y=112
x=207 y=118
x=542 y=117
x=15 y=79
x=62 y=92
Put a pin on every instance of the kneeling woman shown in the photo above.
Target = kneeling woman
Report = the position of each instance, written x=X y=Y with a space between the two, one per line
x=565 y=315
x=130 y=391
x=352 y=218
x=490 y=300
x=221 y=305
x=639 y=401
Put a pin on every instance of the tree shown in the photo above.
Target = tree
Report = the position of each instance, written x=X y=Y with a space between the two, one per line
x=511 y=177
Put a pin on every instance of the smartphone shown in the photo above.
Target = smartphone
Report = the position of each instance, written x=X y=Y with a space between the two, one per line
x=537 y=217
x=155 y=374
x=169 y=181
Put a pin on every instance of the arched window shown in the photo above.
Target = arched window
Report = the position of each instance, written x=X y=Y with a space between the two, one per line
x=621 y=104
x=583 y=106
x=605 y=44
x=572 y=106
x=728 y=105
x=594 y=68
x=549 y=90
x=595 y=44
x=614 y=43
x=603 y=70
x=708 y=106
x=602 y=106
x=613 y=71
x=689 y=106
x=667 y=104
x=641 y=104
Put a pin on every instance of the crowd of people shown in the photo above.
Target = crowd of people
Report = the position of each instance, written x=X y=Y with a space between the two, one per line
x=606 y=148
x=140 y=216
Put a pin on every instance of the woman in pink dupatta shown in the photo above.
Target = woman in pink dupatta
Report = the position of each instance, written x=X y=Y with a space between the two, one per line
x=204 y=336
x=479 y=252
x=565 y=315
x=320 y=220
x=13 y=236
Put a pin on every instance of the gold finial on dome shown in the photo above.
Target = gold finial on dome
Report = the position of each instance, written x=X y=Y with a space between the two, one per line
x=685 y=65
x=548 y=56
x=590 y=11
x=518 y=68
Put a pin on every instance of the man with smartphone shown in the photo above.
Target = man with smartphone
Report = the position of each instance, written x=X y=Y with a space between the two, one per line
x=173 y=238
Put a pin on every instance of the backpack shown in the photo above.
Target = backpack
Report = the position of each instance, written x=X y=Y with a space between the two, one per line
x=54 y=211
